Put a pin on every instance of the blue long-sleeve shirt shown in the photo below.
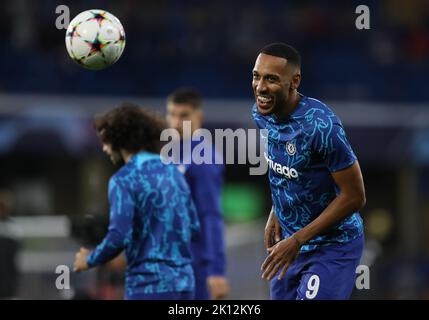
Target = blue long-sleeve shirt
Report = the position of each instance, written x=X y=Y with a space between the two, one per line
x=206 y=182
x=302 y=151
x=152 y=218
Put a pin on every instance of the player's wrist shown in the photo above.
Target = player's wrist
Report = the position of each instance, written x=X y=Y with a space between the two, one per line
x=299 y=242
x=90 y=263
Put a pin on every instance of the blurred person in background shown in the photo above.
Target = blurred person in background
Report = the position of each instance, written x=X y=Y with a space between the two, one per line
x=314 y=234
x=9 y=247
x=152 y=216
x=90 y=230
x=205 y=181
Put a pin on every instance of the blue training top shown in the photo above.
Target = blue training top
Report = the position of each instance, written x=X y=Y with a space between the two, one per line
x=152 y=218
x=206 y=181
x=302 y=151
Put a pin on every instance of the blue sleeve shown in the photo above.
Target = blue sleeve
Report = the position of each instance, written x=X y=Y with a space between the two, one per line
x=331 y=144
x=120 y=225
x=206 y=183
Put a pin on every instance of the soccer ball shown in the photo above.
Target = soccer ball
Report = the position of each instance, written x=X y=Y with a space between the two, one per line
x=95 y=39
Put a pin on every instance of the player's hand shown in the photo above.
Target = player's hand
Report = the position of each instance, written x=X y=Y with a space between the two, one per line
x=273 y=232
x=80 y=260
x=218 y=287
x=281 y=256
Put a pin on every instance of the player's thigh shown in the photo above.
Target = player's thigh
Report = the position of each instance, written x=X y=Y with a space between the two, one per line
x=328 y=281
x=331 y=272
x=286 y=288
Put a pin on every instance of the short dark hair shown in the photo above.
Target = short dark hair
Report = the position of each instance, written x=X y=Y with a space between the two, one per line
x=189 y=96
x=131 y=128
x=285 y=51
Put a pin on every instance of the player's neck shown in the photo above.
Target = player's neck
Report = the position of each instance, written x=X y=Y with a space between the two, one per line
x=126 y=156
x=290 y=106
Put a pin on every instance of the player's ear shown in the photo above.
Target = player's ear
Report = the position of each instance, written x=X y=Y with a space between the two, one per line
x=296 y=80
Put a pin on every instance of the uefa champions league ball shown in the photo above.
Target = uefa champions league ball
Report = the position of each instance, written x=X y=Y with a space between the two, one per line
x=95 y=39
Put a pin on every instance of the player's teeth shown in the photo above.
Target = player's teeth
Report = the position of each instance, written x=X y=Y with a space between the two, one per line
x=264 y=99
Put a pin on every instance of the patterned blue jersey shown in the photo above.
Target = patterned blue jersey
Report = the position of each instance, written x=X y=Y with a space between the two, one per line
x=205 y=182
x=152 y=218
x=302 y=151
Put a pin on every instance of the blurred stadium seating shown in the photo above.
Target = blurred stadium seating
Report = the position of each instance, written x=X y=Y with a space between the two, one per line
x=212 y=44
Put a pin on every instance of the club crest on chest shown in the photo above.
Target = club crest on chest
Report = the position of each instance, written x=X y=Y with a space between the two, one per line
x=290 y=148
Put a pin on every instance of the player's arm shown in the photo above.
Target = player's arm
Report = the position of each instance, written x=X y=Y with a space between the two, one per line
x=272 y=233
x=332 y=146
x=120 y=225
x=195 y=223
x=351 y=199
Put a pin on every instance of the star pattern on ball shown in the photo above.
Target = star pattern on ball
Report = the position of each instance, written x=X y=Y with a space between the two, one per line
x=96 y=45
x=121 y=35
x=73 y=32
x=98 y=16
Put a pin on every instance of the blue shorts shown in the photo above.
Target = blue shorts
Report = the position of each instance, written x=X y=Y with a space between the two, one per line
x=186 y=295
x=325 y=273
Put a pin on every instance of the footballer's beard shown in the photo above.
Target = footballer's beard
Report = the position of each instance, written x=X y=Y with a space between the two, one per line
x=280 y=105
x=277 y=107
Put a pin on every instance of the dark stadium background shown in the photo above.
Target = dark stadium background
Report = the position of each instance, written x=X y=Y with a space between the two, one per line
x=53 y=174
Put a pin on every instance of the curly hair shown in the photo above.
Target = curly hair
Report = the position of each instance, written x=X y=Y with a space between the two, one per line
x=131 y=128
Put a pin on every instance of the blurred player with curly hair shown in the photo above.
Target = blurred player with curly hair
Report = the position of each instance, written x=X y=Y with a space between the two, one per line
x=152 y=215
